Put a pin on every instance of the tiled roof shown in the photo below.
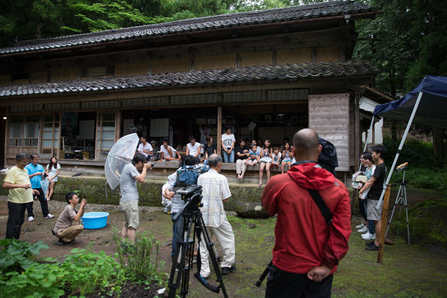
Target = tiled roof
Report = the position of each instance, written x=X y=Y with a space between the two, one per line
x=255 y=74
x=302 y=12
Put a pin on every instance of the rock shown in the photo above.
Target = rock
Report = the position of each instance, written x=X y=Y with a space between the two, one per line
x=250 y=210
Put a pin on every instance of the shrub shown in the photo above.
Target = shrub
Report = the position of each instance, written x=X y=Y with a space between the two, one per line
x=81 y=272
x=16 y=255
x=428 y=224
x=141 y=260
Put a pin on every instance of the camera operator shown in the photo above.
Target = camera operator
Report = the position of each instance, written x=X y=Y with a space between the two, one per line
x=177 y=202
x=129 y=194
x=215 y=192
x=307 y=248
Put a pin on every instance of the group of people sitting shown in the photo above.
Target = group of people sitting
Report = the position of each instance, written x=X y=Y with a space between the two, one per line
x=245 y=154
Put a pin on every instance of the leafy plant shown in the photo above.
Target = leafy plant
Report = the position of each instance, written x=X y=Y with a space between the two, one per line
x=82 y=272
x=140 y=260
x=88 y=271
x=16 y=255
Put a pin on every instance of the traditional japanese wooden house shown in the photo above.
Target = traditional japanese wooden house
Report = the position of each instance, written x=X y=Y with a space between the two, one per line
x=270 y=72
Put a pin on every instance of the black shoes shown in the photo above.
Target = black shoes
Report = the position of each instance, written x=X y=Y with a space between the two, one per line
x=370 y=243
x=372 y=247
x=228 y=270
x=61 y=242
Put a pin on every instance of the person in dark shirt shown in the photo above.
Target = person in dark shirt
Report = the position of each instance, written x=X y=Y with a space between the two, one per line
x=375 y=184
x=210 y=147
x=242 y=153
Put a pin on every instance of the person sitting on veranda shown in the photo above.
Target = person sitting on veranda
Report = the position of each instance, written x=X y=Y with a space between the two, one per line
x=168 y=153
x=69 y=225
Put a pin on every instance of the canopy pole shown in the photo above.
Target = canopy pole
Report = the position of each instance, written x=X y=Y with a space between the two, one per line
x=385 y=186
x=368 y=134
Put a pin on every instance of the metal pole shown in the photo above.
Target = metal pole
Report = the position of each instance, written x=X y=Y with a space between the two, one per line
x=407 y=129
x=369 y=132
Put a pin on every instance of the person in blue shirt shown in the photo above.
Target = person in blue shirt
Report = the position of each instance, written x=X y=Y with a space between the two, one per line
x=35 y=172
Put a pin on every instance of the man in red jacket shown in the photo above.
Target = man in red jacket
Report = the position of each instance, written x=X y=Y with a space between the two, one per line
x=307 y=249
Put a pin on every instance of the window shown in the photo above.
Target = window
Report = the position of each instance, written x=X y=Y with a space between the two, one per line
x=50 y=134
x=24 y=131
x=105 y=133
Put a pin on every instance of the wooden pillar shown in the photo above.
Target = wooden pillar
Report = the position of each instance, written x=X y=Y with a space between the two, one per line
x=386 y=203
x=357 y=131
x=219 y=131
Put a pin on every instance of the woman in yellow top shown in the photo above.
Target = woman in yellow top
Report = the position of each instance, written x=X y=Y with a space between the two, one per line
x=20 y=193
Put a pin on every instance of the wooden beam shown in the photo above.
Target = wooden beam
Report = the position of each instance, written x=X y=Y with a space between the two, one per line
x=219 y=130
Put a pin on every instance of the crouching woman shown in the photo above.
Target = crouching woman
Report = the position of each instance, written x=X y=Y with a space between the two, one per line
x=69 y=224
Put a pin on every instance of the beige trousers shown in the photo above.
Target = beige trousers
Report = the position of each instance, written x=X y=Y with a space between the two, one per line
x=240 y=166
x=70 y=233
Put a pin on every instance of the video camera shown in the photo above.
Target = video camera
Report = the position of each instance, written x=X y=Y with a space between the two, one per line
x=192 y=195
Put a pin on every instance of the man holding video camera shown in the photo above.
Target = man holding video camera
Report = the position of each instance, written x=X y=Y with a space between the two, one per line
x=215 y=192
x=129 y=194
x=307 y=246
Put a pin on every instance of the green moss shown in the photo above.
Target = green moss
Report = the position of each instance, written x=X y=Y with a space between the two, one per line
x=94 y=188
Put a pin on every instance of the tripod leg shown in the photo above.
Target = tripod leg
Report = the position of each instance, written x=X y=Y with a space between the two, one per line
x=392 y=212
x=406 y=211
x=179 y=269
x=204 y=236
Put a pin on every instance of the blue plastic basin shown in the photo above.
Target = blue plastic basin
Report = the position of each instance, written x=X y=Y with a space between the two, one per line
x=95 y=220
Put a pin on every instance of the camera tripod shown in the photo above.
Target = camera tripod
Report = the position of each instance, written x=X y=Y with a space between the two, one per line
x=182 y=262
x=402 y=199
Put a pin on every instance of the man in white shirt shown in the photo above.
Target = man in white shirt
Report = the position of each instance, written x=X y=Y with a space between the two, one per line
x=193 y=148
x=215 y=192
x=145 y=148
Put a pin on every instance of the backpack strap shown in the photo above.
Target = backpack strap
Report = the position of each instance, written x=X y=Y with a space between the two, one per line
x=321 y=205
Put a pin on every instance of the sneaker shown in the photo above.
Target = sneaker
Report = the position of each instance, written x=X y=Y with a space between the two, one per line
x=372 y=247
x=228 y=270
x=368 y=236
x=360 y=226
x=52 y=231
x=363 y=230
x=49 y=216
x=30 y=218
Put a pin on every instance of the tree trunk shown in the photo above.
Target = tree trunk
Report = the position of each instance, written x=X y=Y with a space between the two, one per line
x=440 y=144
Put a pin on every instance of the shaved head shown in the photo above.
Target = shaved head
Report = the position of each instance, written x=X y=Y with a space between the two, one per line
x=306 y=145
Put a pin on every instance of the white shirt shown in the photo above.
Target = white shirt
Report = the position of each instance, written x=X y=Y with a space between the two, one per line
x=143 y=147
x=166 y=151
x=228 y=140
x=215 y=189
x=194 y=149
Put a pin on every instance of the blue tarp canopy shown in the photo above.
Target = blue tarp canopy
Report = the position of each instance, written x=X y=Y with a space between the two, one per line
x=432 y=110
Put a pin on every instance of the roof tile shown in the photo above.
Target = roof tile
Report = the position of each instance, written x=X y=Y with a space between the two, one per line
x=316 y=10
x=214 y=76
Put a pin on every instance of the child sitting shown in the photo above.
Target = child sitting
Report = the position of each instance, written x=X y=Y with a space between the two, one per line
x=287 y=157
x=253 y=159
x=276 y=157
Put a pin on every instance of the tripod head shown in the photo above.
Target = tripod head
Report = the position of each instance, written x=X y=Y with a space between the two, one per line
x=192 y=195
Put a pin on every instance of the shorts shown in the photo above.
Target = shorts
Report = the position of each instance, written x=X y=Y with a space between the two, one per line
x=374 y=211
x=131 y=215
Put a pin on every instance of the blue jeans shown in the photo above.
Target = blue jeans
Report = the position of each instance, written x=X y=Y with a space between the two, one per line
x=228 y=157
x=176 y=232
x=371 y=227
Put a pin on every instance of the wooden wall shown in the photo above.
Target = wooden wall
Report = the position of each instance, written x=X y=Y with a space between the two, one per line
x=329 y=116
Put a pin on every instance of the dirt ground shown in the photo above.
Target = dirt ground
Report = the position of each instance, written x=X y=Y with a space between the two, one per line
x=407 y=271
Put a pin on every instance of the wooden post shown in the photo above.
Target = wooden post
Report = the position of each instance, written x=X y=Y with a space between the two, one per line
x=386 y=203
x=219 y=131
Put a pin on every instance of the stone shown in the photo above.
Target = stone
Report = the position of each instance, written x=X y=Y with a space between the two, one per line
x=250 y=210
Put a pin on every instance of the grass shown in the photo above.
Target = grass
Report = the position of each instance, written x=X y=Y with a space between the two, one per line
x=407 y=271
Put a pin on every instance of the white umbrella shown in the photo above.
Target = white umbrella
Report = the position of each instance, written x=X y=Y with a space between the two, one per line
x=121 y=154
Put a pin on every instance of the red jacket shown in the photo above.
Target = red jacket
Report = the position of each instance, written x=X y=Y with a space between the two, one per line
x=303 y=238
